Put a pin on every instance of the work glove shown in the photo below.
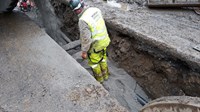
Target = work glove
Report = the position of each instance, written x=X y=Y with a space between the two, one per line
x=84 y=55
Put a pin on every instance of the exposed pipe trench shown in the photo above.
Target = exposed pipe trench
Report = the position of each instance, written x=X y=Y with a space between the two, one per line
x=162 y=75
x=158 y=73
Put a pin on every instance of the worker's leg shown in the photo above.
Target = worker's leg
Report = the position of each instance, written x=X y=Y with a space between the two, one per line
x=97 y=72
x=93 y=62
x=104 y=66
x=104 y=69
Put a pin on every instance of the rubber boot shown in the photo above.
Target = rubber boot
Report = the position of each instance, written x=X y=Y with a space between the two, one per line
x=106 y=77
x=99 y=78
x=105 y=73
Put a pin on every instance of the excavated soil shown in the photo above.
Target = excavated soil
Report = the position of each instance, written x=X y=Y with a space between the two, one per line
x=68 y=18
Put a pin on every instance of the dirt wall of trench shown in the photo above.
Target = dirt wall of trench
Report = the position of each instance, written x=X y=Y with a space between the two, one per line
x=159 y=74
x=68 y=19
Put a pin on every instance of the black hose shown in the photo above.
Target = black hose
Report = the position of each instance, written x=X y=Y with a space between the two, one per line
x=141 y=100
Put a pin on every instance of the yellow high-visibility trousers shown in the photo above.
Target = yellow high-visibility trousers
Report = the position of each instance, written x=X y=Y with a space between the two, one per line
x=98 y=62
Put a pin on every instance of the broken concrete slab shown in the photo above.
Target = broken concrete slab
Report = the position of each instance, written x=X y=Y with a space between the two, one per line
x=37 y=75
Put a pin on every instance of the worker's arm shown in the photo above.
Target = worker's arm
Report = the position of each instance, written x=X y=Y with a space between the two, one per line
x=85 y=37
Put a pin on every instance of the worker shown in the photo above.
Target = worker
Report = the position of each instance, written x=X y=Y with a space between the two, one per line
x=94 y=38
x=24 y=6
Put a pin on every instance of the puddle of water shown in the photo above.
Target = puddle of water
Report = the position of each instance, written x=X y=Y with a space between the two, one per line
x=122 y=6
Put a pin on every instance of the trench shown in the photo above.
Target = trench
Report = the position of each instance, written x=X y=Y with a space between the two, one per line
x=157 y=72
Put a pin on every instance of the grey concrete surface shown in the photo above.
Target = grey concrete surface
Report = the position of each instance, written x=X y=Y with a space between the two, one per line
x=37 y=75
x=174 y=31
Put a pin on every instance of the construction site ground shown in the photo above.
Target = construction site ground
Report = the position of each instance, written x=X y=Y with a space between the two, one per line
x=154 y=46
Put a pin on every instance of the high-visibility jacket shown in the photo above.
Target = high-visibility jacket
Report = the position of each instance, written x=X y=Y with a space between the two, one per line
x=93 y=17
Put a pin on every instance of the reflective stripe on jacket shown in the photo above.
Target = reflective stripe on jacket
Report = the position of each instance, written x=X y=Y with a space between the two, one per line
x=93 y=17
